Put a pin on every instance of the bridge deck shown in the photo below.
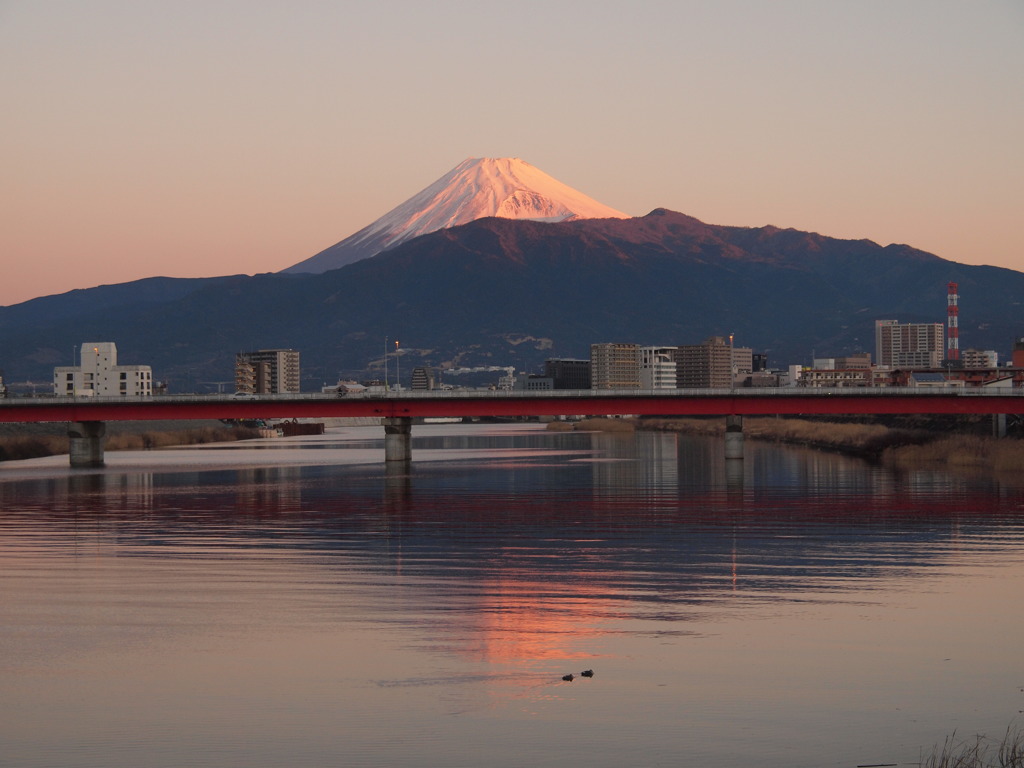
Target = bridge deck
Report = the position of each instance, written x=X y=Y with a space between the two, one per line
x=691 y=402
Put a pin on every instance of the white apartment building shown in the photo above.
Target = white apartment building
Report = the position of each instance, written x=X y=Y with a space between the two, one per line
x=99 y=375
x=657 y=367
x=979 y=358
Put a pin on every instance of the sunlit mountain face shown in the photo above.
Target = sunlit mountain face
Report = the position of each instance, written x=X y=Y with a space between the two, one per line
x=508 y=188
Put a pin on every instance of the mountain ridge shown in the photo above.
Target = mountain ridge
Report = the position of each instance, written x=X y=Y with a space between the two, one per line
x=515 y=292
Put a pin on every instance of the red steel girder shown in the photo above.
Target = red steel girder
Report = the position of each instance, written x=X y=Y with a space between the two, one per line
x=500 y=404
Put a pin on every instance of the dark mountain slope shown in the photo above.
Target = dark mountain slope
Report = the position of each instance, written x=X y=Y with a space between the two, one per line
x=504 y=292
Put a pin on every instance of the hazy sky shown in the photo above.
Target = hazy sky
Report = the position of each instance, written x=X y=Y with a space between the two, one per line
x=210 y=137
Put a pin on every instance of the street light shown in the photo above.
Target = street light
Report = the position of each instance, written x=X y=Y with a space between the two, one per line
x=398 y=371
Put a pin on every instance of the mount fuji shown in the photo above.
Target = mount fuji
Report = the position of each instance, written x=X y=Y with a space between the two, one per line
x=508 y=188
x=502 y=291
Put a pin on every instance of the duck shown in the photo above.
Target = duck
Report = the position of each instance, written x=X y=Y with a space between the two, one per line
x=587 y=673
x=568 y=678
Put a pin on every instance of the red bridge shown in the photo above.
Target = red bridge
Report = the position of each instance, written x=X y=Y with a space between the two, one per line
x=398 y=409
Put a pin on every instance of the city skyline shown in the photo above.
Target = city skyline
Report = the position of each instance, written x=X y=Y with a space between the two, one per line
x=159 y=139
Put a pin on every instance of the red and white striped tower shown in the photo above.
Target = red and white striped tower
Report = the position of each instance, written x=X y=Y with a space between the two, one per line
x=953 y=323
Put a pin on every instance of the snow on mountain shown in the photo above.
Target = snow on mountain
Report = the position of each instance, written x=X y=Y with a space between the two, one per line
x=509 y=188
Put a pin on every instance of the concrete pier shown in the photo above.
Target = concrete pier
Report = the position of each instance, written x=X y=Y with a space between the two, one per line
x=398 y=438
x=998 y=425
x=85 y=444
x=734 y=437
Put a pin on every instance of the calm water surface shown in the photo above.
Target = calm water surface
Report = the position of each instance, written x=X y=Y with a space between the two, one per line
x=290 y=602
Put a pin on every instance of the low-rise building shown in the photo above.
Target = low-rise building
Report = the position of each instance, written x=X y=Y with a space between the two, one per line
x=1017 y=355
x=830 y=378
x=857 y=360
x=762 y=379
x=977 y=358
x=932 y=380
x=568 y=373
x=534 y=383
x=99 y=375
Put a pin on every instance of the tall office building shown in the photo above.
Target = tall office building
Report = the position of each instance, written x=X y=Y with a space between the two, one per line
x=705 y=365
x=742 y=361
x=910 y=345
x=615 y=366
x=267 y=371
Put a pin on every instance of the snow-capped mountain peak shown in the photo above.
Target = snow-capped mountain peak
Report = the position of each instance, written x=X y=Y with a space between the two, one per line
x=506 y=187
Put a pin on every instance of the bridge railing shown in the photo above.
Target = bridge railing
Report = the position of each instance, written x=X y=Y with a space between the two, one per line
x=406 y=394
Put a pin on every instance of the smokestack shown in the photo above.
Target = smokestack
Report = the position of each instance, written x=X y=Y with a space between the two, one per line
x=952 y=323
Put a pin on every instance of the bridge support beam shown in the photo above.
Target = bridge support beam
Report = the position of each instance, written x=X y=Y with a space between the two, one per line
x=998 y=425
x=398 y=438
x=734 y=437
x=85 y=443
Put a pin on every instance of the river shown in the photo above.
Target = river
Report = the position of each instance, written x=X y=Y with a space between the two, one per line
x=292 y=602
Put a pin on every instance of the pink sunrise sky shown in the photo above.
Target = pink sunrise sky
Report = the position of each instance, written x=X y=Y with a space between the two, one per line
x=239 y=136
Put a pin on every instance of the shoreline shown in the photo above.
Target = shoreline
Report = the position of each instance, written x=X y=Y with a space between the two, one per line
x=48 y=443
x=896 y=448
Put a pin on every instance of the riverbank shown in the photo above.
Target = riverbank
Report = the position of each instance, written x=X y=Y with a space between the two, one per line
x=52 y=442
x=894 y=447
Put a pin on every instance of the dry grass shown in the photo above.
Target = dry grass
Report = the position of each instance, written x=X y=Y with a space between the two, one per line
x=860 y=439
x=36 y=446
x=145 y=441
x=708 y=427
x=980 y=752
x=560 y=426
x=898 y=448
x=964 y=452
x=31 y=447
x=593 y=425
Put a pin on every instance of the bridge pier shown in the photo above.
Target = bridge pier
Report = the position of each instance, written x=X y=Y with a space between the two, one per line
x=998 y=425
x=734 y=437
x=398 y=438
x=85 y=443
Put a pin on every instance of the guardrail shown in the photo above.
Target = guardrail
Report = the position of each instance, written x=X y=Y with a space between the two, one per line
x=771 y=392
